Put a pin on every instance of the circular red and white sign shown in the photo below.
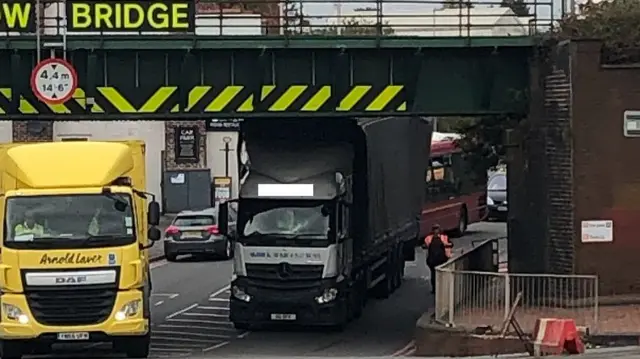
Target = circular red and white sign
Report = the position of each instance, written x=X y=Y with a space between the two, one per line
x=54 y=81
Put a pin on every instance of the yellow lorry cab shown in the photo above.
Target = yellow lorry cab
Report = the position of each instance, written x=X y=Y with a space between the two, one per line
x=73 y=262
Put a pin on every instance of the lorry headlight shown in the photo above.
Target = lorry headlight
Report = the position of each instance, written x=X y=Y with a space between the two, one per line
x=240 y=294
x=14 y=313
x=327 y=296
x=489 y=200
x=128 y=310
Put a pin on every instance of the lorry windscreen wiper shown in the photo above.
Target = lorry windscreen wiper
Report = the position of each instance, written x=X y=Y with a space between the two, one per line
x=108 y=237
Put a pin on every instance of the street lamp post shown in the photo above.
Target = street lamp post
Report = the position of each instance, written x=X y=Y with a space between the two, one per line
x=227 y=149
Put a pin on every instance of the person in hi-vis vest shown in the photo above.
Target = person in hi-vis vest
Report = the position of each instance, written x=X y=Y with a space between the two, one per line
x=28 y=226
x=438 y=251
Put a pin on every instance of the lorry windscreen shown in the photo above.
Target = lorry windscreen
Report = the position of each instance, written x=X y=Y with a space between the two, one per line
x=68 y=221
x=304 y=220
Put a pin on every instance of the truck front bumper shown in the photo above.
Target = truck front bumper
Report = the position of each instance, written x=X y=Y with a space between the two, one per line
x=286 y=305
x=116 y=325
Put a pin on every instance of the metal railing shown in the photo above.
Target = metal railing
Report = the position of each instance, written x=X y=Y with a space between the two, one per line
x=470 y=297
x=383 y=18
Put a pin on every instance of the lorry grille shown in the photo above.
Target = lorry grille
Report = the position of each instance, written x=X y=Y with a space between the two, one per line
x=83 y=305
x=274 y=271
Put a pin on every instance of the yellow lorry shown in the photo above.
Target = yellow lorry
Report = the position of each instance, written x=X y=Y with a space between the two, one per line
x=73 y=261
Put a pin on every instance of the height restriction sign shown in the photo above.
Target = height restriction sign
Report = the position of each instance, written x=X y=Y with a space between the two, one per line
x=53 y=81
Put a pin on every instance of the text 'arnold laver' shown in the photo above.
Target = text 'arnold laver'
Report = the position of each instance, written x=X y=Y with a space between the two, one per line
x=71 y=258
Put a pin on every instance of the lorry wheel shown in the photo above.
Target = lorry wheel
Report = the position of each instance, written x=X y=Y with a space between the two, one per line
x=10 y=349
x=138 y=347
x=358 y=301
x=400 y=269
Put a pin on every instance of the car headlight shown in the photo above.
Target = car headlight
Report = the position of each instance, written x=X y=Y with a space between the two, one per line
x=327 y=296
x=240 y=294
x=128 y=310
x=14 y=313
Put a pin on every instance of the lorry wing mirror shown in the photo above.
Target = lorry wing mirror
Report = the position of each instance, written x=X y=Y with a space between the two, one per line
x=153 y=215
x=223 y=218
x=153 y=233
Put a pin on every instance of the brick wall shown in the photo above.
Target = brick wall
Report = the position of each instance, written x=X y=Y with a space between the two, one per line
x=32 y=131
x=170 y=161
x=558 y=154
x=606 y=177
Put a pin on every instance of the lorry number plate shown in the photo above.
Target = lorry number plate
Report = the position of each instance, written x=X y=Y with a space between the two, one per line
x=279 y=316
x=502 y=208
x=73 y=336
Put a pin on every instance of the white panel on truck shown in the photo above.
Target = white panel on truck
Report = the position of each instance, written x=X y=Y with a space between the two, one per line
x=6 y=131
x=151 y=132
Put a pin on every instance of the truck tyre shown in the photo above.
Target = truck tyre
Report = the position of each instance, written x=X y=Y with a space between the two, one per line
x=358 y=298
x=10 y=349
x=463 y=222
x=383 y=289
x=138 y=347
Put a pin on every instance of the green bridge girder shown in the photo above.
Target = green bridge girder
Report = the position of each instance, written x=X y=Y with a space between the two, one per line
x=227 y=77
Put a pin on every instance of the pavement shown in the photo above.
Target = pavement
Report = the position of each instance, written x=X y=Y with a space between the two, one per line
x=190 y=315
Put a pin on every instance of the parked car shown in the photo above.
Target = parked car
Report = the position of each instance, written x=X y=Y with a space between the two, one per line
x=196 y=233
x=497 y=195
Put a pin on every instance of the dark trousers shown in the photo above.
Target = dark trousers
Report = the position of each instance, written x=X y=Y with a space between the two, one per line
x=432 y=268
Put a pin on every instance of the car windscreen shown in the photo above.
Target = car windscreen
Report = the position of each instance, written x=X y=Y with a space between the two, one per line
x=498 y=183
x=194 y=221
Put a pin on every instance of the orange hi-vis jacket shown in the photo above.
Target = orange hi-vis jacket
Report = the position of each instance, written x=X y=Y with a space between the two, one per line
x=445 y=240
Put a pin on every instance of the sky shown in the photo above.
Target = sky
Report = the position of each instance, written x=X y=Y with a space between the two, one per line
x=320 y=12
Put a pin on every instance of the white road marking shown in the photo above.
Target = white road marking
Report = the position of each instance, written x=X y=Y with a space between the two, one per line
x=206 y=315
x=182 y=311
x=213 y=308
x=159 y=263
x=176 y=345
x=219 y=345
x=219 y=300
x=179 y=339
x=159 y=303
x=170 y=295
x=220 y=291
x=200 y=327
x=176 y=350
x=242 y=335
x=199 y=321
x=203 y=335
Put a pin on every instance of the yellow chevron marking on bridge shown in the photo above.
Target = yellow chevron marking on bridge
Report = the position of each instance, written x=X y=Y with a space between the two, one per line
x=153 y=104
x=247 y=105
x=81 y=98
x=352 y=98
x=288 y=97
x=25 y=107
x=117 y=100
x=222 y=100
x=227 y=99
x=384 y=97
x=319 y=98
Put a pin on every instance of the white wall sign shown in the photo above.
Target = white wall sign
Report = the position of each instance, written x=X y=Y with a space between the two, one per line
x=54 y=81
x=632 y=123
x=597 y=231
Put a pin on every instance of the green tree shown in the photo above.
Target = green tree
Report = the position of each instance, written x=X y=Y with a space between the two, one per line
x=354 y=26
x=615 y=22
x=519 y=7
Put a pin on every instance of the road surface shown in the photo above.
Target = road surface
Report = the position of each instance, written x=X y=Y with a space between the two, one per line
x=190 y=308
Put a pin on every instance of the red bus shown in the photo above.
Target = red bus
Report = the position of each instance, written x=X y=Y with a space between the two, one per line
x=456 y=196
